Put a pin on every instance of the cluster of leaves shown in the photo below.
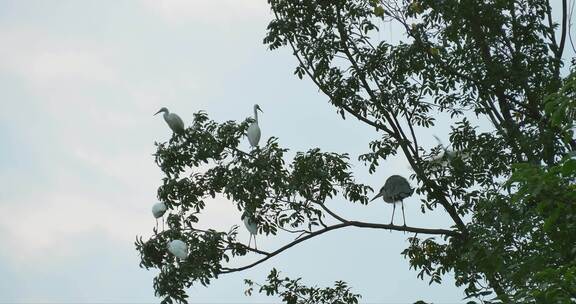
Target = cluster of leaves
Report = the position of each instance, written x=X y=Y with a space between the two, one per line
x=523 y=234
x=291 y=291
x=205 y=161
x=544 y=254
x=209 y=249
x=496 y=60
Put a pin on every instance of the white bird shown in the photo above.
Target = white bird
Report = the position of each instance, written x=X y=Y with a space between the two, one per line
x=174 y=121
x=253 y=131
x=158 y=211
x=395 y=189
x=252 y=228
x=178 y=248
x=447 y=156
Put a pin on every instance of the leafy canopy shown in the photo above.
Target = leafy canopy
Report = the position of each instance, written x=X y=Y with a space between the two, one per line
x=490 y=69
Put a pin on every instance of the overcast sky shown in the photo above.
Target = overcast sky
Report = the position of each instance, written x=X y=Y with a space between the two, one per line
x=79 y=82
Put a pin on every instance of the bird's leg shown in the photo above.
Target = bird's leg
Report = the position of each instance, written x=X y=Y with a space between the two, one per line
x=156 y=224
x=182 y=216
x=255 y=247
x=249 y=240
x=162 y=224
x=404 y=217
x=393 y=210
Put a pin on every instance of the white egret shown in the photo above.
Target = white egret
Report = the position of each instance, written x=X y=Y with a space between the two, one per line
x=158 y=211
x=252 y=228
x=395 y=189
x=447 y=156
x=178 y=248
x=253 y=131
x=174 y=121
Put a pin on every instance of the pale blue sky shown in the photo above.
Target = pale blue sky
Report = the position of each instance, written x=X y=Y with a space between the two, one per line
x=79 y=82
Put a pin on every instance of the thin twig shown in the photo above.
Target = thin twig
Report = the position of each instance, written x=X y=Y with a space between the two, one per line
x=231 y=243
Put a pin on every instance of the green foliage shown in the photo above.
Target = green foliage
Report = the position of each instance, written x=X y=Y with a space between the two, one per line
x=489 y=69
x=293 y=292
x=545 y=257
x=279 y=196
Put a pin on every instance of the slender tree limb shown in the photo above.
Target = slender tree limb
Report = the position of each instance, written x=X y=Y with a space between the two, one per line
x=493 y=113
x=339 y=226
x=231 y=243
x=390 y=119
x=323 y=206
x=569 y=30
x=504 y=105
x=322 y=88
x=332 y=213
x=551 y=26
x=408 y=150
x=564 y=27
x=293 y=231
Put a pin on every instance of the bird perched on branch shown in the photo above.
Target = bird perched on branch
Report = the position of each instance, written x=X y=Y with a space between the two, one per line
x=448 y=156
x=252 y=228
x=158 y=211
x=173 y=120
x=253 y=131
x=395 y=189
x=178 y=248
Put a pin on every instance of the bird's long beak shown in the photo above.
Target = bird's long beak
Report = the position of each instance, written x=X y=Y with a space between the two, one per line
x=260 y=110
x=157 y=112
x=377 y=196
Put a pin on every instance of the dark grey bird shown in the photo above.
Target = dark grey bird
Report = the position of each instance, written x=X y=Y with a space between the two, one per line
x=395 y=189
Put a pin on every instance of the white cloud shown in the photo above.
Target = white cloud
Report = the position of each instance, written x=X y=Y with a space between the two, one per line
x=222 y=12
x=44 y=228
x=46 y=61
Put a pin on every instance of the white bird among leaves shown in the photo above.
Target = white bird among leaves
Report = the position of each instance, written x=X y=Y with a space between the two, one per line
x=173 y=120
x=253 y=131
x=252 y=228
x=178 y=249
x=158 y=211
x=448 y=156
x=395 y=189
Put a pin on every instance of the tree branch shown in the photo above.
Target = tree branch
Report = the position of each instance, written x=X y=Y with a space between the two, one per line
x=338 y=226
x=564 y=26
x=551 y=26
x=408 y=150
x=230 y=243
x=328 y=93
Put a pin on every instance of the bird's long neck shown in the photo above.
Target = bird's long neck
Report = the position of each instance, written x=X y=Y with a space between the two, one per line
x=256 y=115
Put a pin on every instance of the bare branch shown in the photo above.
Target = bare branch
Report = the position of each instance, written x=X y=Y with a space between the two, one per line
x=332 y=213
x=338 y=226
x=564 y=26
x=570 y=25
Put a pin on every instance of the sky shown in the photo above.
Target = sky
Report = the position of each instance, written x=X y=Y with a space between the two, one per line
x=79 y=82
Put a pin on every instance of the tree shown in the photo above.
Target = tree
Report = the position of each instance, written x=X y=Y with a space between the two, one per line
x=510 y=190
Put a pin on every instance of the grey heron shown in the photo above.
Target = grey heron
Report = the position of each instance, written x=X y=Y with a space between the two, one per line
x=395 y=189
